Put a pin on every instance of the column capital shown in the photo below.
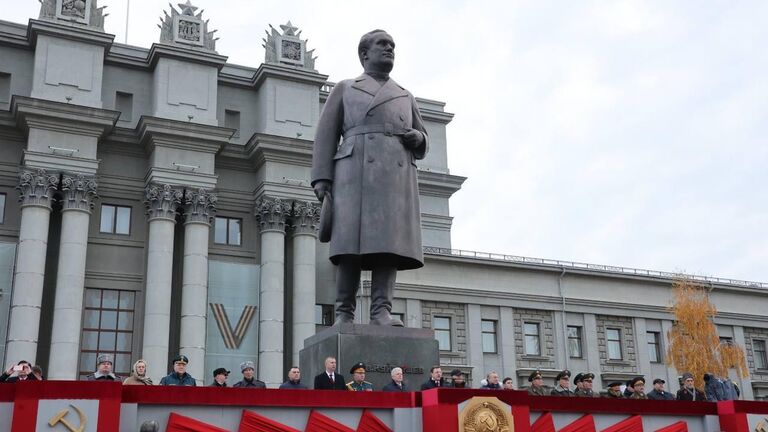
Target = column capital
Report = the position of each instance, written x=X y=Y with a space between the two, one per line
x=305 y=218
x=79 y=191
x=272 y=213
x=199 y=206
x=35 y=187
x=161 y=201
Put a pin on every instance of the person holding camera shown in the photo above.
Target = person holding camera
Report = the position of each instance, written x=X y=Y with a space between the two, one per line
x=22 y=371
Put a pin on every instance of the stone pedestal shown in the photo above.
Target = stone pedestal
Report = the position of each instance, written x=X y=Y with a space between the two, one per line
x=380 y=348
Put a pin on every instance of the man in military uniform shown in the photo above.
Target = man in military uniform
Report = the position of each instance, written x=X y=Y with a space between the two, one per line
x=586 y=386
x=537 y=387
x=179 y=376
x=358 y=382
x=562 y=384
x=638 y=387
x=614 y=390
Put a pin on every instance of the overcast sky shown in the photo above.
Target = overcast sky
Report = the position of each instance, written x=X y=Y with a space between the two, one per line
x=626 y=133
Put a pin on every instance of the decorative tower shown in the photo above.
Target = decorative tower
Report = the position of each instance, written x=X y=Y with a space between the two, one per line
x=186 y=28
x=186 y=67
x=288 y=48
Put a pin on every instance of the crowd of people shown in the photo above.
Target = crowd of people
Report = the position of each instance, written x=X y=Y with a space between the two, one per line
x=715 y=388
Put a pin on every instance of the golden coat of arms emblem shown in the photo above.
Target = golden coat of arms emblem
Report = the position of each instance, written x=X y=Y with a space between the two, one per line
x=486 y=414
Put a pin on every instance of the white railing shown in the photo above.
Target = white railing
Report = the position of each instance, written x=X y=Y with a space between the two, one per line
x=431 y=250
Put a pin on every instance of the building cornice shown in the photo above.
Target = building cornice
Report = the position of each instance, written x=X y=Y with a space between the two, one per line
x=262 y=148
x=63 y=117
x=287 y=73
x=154 y=131
x=13 y=34
x=67 y=31
x=595 y=270
x=438 y=184
x=207 y=58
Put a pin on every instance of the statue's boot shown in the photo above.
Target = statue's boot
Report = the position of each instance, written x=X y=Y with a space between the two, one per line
x=347 y=283
x=382 y=291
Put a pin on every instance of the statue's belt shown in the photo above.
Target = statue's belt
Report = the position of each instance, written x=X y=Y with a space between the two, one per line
x=387 y=129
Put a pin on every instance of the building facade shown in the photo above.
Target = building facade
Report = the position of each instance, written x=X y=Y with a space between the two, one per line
x=164 y=207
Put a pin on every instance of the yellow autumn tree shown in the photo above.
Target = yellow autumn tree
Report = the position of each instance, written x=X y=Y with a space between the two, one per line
x=694 y=345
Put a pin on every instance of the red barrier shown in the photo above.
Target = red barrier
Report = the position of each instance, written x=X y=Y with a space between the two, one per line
x=439 y=407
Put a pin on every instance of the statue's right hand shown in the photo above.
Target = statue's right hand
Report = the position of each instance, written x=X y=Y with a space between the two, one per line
x=322 y=187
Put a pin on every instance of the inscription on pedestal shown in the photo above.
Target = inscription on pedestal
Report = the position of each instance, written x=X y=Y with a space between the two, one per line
x=381 y=348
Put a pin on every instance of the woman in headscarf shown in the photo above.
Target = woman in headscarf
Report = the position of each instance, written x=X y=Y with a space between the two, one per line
x=139 y=374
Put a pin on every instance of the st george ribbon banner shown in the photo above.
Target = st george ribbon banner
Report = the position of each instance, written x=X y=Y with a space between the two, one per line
x=233 y=294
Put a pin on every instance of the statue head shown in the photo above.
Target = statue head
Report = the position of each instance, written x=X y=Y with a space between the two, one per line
x=376 y=51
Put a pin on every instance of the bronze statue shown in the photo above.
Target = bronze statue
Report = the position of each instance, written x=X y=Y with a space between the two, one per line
x=371 y=178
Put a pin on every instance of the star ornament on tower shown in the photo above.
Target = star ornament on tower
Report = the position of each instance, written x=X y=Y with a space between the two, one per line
x=187 y=8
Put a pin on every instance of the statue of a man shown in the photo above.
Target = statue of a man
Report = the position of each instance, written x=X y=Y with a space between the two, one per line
x=371 y=179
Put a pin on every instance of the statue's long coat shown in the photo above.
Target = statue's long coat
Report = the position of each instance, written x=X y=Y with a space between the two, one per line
x=374 y=182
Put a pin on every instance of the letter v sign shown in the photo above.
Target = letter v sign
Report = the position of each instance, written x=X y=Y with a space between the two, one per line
x=232 y=338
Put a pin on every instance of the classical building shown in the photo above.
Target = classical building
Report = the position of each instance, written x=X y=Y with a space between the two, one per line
x=164 y=206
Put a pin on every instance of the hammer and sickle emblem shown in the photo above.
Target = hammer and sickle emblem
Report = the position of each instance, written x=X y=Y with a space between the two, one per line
x=59 y=418
x=762 y=426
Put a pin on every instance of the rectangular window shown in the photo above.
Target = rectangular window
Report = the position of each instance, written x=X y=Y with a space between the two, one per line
x=5 y=87
x=574 y=342
x=400 y=316
x=758 y=350
x=107 y=329
x=532 y=341
x=124 y=104
x=324 y=315
x=227 y=231
x=2 y=208
x=654 y=347
x=613 y=343
x=488 y=328
x=442 y=327
x=232 y=121
x=115 y=219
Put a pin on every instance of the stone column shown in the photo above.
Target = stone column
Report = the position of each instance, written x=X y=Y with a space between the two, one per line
x=79 y=192
x=306 y=216
x=161 y=202
x=35 y=189
x=271 y=214
x=198 y=210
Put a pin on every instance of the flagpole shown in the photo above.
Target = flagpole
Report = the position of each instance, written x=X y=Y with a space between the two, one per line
x=127 y=14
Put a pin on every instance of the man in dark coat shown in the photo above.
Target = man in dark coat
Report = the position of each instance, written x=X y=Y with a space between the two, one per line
x=330 y=379
x=658 y=392
x=435 y=379
x=371 y=179
x=220 y=376
x=294 y=380
x=248 y=368
x=689 y=392
x=492 y=381
x=23 y=371
x=179 y=376
x=458 y=380
x=397 y=384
